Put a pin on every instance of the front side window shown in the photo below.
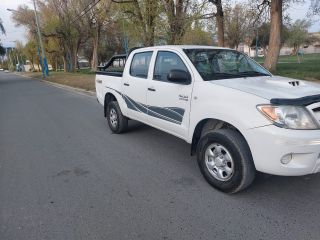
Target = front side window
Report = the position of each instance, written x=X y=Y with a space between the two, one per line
x=214 y=64
x=140 y=64
x=165 y=62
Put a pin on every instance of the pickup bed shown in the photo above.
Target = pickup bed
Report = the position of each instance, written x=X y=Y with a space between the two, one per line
x=236 y=115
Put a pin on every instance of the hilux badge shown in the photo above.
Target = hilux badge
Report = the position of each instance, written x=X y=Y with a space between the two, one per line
x=183 y=97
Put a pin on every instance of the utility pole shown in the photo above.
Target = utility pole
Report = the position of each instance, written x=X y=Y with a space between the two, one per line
x=45 y=69
x=17 y=56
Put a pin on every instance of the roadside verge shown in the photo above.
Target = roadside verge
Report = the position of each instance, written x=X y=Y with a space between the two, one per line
x=82 y=83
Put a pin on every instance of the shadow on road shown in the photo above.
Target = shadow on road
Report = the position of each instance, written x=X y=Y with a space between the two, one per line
x=263 y=185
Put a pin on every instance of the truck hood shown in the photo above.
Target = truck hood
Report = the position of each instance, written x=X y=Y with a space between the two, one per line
x=271 y=87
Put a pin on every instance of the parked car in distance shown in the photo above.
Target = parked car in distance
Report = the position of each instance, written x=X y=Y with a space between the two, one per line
x=236 y=115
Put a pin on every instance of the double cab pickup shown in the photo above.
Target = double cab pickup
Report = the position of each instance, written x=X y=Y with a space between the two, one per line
x=236 y=115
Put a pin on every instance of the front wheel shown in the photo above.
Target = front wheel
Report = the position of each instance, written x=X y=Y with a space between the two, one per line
x=117 y=122
x=225 y=160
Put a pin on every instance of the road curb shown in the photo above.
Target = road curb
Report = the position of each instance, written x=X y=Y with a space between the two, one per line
x=58 y=85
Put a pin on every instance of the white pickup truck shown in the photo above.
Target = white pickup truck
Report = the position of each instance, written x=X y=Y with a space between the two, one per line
x=236 y=115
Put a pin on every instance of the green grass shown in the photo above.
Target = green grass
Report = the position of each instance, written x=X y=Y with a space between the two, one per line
x=78 y=80
x=85 y=71
x=308 y=69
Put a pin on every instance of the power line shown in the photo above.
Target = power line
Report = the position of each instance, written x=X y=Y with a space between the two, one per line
x=84 y=11
x=87 y=6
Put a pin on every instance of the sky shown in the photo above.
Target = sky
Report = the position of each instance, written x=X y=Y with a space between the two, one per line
x=13 y=33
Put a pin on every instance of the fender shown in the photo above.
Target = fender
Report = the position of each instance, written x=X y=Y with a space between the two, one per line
x=119 y=98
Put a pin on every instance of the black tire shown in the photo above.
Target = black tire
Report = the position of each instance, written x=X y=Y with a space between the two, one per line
x=243 y=172
x=121 y=121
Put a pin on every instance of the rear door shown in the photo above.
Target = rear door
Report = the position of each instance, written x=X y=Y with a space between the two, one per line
x=168 y=102
x=135 y=82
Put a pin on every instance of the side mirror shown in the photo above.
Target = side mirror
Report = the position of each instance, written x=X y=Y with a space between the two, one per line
x=179 y=76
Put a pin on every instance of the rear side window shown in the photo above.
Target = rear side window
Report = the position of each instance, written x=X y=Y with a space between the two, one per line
x=167 y=61
x=140 y=64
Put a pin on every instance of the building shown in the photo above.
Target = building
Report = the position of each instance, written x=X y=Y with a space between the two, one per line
x=307 y=48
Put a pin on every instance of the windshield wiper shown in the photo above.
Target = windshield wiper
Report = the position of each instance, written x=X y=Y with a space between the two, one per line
x=219 y=76
x=253 y=73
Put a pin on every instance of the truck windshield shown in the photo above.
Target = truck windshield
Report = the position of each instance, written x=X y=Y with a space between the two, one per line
x=214 y=64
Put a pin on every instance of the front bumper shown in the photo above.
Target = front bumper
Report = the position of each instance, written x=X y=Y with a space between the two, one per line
x=270 y=144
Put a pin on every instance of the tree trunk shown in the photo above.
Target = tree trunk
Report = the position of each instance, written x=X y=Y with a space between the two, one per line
x=94 y=62
x=56 y=64
x=64 y=64
x=151 y=8
x=298 y=54
x=141 y=21
x=264 y=51
x=219 y=23
x=177 y=19
x=69 y=59
x=295 y=49
x=32 y=63
x=275 y=35
x=75 y=56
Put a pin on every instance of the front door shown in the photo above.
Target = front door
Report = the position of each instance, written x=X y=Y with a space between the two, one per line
x=168 y=102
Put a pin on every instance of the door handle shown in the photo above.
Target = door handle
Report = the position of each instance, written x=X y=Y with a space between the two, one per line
x=99 y=81
x=126 y=84
x=151 y=89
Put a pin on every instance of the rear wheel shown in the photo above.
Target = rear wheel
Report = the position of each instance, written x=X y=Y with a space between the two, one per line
x=225 y=160
x=117 y=122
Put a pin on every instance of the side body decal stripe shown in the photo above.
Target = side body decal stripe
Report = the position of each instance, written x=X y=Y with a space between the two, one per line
x=171 y=114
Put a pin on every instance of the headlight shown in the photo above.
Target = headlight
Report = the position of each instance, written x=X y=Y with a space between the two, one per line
x=292 y=117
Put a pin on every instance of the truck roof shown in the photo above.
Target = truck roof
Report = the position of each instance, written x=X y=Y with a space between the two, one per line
x=180 y=47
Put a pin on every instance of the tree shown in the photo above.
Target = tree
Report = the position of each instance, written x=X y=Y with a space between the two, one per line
x=275 y=35
x=176 y=12
x=197 y=34
x=276 y=9
x=112 y=40
x=64 y=27
x=219 y=21
x=297 y=35
x=63 y=11
x=181 y=14
x=24 y=16
x=262 y=37
x=164 y=21
x=97 y=19
x=142 y=16
x=238 y=24
x=31 y=52
x=315 y=7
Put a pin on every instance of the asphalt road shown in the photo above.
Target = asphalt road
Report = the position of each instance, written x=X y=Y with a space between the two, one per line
x=64 y=176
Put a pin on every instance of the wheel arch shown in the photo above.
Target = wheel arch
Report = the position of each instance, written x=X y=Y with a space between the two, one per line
x=109 y=97
x=206 y=125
